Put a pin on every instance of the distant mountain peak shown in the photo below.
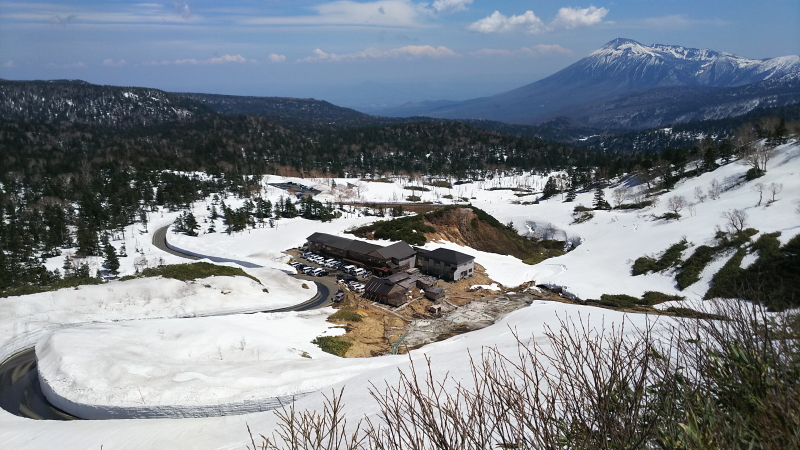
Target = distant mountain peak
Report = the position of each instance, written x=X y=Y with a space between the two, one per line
x=619 y=43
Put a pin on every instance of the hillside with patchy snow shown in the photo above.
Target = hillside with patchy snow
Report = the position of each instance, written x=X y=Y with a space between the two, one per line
x=92 y=365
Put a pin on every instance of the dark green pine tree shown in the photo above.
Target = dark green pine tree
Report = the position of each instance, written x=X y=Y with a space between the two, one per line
x=571 y=193
x=111 y=262
x=190 y=224
x=599 y=201
x=550 y=189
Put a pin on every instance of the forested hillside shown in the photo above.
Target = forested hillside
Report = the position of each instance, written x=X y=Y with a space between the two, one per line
x=80 y=102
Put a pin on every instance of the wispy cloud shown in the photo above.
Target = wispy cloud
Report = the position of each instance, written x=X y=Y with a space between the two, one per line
x=110 y=63
x=567 y=18
x=77 y=65
x=60 y=14
x=59 y=20
x=536 y=50
x=409 y=52
x=676 y=21
x=384 y=13
x=273 y=57
x=9 y=64
x=450 y=6
x=226 y=59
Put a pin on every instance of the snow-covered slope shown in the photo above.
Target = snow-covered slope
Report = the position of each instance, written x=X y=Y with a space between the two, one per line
x=600 y=264
x=200 y=367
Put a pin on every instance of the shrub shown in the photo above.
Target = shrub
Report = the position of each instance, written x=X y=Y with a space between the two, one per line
x=618 y=300
x=332 y=345
x=345 y=315
x=413 y=198
x=670 y=258
x=640 y=205
x=193 y=271
x=735 y=387
x=651 y=298
x=417 y=188
x=441 y=184
x=691 y=269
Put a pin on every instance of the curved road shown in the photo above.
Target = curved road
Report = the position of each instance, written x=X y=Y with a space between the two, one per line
x=20 y=393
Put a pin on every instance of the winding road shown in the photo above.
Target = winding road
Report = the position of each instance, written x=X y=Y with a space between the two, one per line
x=20 y=393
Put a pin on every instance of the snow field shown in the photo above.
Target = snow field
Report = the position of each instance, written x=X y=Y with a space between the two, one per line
x=601 y=264
x=191 y=367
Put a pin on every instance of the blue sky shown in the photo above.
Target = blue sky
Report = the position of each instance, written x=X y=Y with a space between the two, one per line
x=362 y=53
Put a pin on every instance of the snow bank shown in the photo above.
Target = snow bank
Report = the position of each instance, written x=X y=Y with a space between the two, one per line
x=191 y=367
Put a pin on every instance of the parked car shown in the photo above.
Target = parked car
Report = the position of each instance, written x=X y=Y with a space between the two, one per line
x=359 y=272
x=339 y=296
x=349 y=269
x=294 y=263
x=306 y=254
x=319 y=272
x=308 y=270
x=346 y=278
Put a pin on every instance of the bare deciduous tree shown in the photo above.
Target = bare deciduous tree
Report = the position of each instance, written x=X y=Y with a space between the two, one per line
x=737 y=220
x=714 y=189
x=775 y=189
x=676 y=204
x=619 y=195
x=699 y=194
x=759 y=187
x=639 y=194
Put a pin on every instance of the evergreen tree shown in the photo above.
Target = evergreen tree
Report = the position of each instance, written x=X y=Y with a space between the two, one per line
x=599 y=201
x=550 y=188
x=111 y=262
x=571 y=193
x=190 y=224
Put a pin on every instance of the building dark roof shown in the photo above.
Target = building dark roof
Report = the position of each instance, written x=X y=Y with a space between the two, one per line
x=448 y=256
x=380 y=286
x=399 y=250
x=361 y=247
x=330 y=240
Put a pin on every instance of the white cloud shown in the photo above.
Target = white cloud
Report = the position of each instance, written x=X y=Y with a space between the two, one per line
x=110 y=63
x=197 y=62
x=277 y=58
x=578 y=17
x=450 y=6
x=567 y=18
x=9 y=64
x=536 y=50
x=411 y=51
x=497 y=23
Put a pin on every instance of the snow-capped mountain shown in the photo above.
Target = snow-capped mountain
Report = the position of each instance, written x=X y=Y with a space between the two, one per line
x=619 y=67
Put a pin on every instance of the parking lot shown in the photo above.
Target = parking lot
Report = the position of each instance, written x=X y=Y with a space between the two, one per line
x=347 y=275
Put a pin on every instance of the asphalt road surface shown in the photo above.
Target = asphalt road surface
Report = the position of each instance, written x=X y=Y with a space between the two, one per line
x=21 y=395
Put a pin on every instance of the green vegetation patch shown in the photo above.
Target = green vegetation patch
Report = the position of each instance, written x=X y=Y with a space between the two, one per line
x=670 y=258
x=649 y=298
x=640 y=205
x=691 y=269
x=332 y=345
x=61 y=283
x=193 y=271
x=773 y=279
x=345 y=315
x=441 y=184
x=409 y=229
x=413 y=198
x=417 y=188
x=654 y=298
